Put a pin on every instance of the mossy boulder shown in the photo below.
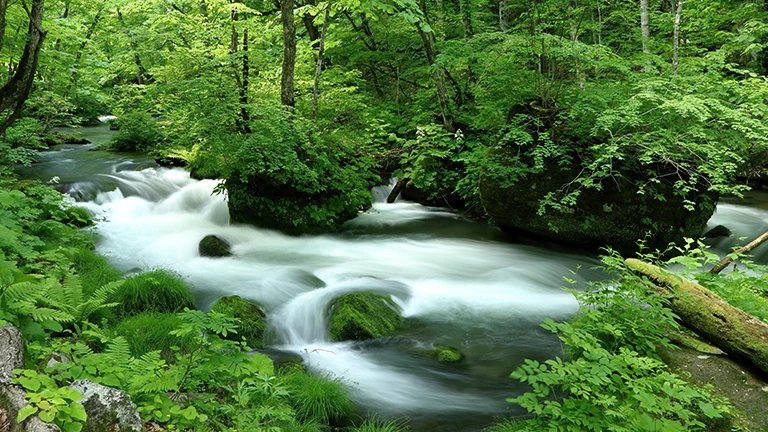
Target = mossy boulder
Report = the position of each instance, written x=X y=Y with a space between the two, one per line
x=443 y=354
x=616 y=215
x=362 y=316
x=214 y=247
x=718 y=231
x=252 y=319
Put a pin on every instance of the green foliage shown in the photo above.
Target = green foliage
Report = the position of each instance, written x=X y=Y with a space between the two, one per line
x=151 y=331
x=316 y=398
x=153 y=291
x=51 y=403
x=361 y=316
x=251 y=319
x=94 y=270
x=137 y=131
x=376 y=425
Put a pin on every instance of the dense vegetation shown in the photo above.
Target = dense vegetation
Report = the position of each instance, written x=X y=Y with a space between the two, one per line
x=300 y=108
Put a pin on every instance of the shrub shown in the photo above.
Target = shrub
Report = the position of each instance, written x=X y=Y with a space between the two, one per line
x=154 y=291
x=138 y=131
x=151 y=332
x=316 y=398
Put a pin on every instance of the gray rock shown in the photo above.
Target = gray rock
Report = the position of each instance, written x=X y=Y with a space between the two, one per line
x=11 y=352
x=718 y=231
x=58 y=358
x=212 y=246
x=12 y=399
x=107 y=408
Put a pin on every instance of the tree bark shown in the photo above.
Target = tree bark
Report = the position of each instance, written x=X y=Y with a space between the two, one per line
x=16 y=90
x=140 y=71
x=746 y=249
x=645 y=26
x=79 y=55
x=289 y=54
x=428 y=39
x=503 y=15
x=244 y=116
x=3 y=9
x=726 y=327
x=320 y=52
x=676 y=36
x=399 y=186
x=309 y=23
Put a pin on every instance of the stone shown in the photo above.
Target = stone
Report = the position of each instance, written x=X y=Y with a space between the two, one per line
x=252 y=319
x=214 y=247
x=11 y=352
x=13 y=399
x=718 y=231
x=362 y=316
x=108 y=409
x=615 y=216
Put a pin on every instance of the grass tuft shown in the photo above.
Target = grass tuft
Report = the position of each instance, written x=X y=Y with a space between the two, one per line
x=154 y=291
x=316 y=398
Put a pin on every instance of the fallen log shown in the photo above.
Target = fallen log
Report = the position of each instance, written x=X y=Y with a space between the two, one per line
x=401 y=183
x=708 y=315
x=746 y=249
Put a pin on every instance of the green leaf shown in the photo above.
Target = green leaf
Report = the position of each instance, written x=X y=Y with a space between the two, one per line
x=25 y=412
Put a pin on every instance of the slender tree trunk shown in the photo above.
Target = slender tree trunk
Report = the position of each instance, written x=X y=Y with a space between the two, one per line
x=140 y=71
x=320 y=52
x=16 y=90
x=503 y=26
x=441 y=14
x=64 y=15
x=246 y=118
x=289 y=54
x=645 y=26
x=83 y=44
x=676 y=36
x=3 y=9
x=466 y=19
x=428 y=39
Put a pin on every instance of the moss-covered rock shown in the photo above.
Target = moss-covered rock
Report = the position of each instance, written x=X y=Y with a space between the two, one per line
x=252 y=319
x=718 y=231
x=443 y=354
x=362 y=316
x=615 y=216
x=214 y=247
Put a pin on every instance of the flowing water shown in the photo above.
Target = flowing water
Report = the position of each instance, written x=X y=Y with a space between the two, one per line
x=458 y=282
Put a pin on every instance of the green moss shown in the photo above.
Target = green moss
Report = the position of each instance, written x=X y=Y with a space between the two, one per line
x=151 y=332
x=362 y=316
x=316 y=398
x=154 y=291
x=251 y=325
x=443 y=354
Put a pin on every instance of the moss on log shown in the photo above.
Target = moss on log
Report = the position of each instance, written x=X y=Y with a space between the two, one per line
x=728 y=328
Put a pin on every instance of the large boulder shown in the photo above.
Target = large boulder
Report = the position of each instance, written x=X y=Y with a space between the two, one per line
x=214 y=247
x=11 y=353
x=108 y=409
x=615 y=216
x=362 y=316
x=13 y=397
x=252 y=319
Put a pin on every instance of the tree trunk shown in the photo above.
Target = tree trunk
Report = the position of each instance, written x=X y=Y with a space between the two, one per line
x=399 y=186
x=3 y=9
x=726 y=327
x=676 y=36
x=320 y=52
x=16 y=90
x=466 y=19
x=244 y=116
x=309 y=23
x=746 y=249
x=289 y=54
x=428 y=38
x=645 y=26
x=140 y=71
x=79 y=55
x=503 y=15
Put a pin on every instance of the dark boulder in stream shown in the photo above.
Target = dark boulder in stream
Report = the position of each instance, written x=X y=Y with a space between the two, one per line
x=616 y=216
x=362 y=316
x=214 y=247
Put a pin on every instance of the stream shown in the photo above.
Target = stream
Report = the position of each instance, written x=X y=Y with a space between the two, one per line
x=459 y=283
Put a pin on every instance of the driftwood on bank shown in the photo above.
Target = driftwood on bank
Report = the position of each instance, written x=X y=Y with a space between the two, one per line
x=726 y=327
x=746 y=249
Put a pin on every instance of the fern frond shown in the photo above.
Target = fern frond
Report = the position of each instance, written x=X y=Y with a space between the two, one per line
x=45 y=314
x=23 y=291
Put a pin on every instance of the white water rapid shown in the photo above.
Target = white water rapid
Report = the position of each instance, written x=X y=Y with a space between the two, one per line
x=454 y=283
